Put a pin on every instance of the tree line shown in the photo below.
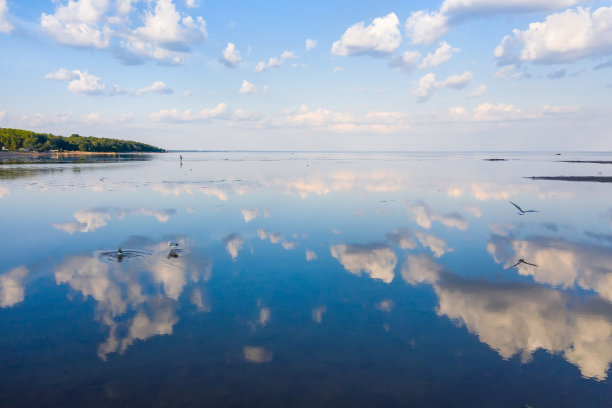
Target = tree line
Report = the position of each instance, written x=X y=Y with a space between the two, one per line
x=15 y=139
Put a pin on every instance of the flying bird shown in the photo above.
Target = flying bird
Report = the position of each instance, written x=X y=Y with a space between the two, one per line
x=522 y=261
x=521 y=211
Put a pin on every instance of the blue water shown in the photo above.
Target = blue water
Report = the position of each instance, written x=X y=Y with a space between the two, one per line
x=305 y=279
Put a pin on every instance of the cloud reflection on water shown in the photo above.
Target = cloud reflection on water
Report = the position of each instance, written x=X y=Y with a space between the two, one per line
x=376 y=260
x=520 y=318
x=136 y=300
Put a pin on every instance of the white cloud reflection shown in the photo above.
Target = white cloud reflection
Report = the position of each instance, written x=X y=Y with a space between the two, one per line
x=92 y=219
x=520 y=319
x=136 y=300
x=12 y=289
x=560 y=262
x=257 y=354
x=378 y=261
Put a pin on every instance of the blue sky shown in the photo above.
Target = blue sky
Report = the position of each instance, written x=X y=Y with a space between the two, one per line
x=317 y=75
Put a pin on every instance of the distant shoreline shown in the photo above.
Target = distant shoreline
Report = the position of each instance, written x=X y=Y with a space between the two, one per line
x=11 y=155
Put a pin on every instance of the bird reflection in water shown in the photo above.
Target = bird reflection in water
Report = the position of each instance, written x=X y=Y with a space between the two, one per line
x=522 y=261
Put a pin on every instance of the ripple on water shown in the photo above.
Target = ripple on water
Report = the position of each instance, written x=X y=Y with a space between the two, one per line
x=127 y=255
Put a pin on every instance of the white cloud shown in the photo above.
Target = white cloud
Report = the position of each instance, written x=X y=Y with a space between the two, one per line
x=80 y=81
x=174 y=115
x=287 y=55
x=2 y=116
x=191 y=3
x=6 y=26
x=375 y=260
x=247 y=88
x=157 y=87
x=427 y=84
x=310 y=44
x=12 y=289
x=424 y=27
x=165 y=35
x=124 y=6
x=562 y=37
x=274 y=62
x=381 y=37
x=406 y=62
x=491 y=112
x=456 y=81
x=476 y=92
x=78 y=23
x=63 y=75
x=231 y=56
x=440 y=56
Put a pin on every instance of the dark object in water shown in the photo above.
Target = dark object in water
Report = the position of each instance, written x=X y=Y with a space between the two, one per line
x=592 y=179
x=586 y=161
x=495 y=159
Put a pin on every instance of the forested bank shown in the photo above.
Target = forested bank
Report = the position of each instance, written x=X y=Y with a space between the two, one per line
x=17 y=139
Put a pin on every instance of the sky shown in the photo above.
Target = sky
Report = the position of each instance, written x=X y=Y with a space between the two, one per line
x=316 y=75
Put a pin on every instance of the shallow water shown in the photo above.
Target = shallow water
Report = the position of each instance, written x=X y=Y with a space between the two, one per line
x=306 y=279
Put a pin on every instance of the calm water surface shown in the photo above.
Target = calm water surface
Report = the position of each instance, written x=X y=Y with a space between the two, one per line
x=306 y=279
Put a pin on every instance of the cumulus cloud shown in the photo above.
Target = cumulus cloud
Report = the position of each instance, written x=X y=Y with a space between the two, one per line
x=373 y=121
x=440 y=56
x=425 y=27
x=157 y=87
x=406 y=62
x=174 y=115
x=476 y=92
x=427 y=84
x=274 y=62
x=247 y=88
x=310 y=44
x=80 y=82
x=5 y=25
x=562 y=37
x=78 y=23
x=378 y=261
x=12 y=289
x=165 y=35
x=231 y=56
x=381 y=37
